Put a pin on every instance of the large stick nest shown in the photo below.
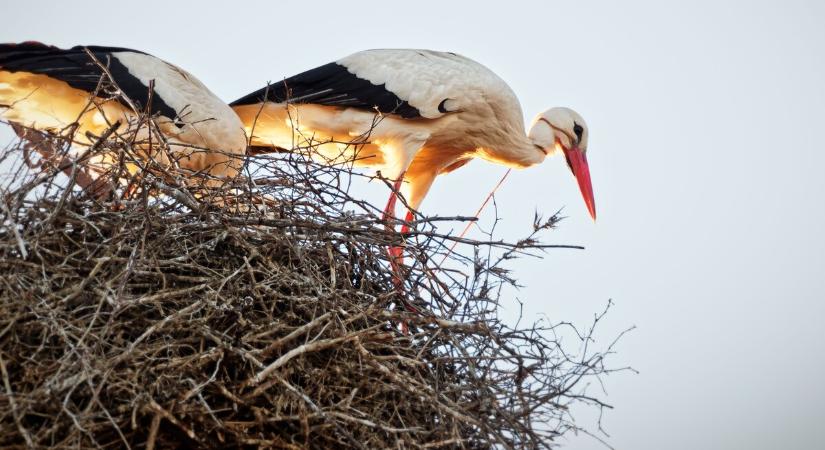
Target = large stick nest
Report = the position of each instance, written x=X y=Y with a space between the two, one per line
x=162 y=312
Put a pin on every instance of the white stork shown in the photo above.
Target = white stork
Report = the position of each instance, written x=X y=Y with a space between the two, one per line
x=437 y=111
x=52 y=89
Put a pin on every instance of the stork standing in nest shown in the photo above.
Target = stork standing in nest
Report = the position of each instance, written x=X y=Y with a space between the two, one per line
x=437 y=111
x=82 y=92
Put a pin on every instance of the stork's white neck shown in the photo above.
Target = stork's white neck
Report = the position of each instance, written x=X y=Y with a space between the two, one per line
x=521 y=157
x=514 y=149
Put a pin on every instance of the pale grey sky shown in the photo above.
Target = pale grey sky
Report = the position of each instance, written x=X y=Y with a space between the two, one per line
x=705 y=121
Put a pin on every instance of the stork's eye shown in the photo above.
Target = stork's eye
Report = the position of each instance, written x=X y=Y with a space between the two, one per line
x=579 y=130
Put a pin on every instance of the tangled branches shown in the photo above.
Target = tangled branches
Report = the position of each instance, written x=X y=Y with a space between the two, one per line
x=259 y=312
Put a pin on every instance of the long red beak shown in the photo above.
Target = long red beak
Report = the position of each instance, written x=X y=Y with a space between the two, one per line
x=577 y=160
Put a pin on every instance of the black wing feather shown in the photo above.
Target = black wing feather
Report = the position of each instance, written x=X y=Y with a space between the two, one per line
x=332 y=85
x=74 y=67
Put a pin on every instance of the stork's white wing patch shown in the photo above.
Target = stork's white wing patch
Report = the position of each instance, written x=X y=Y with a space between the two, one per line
x=428 y=79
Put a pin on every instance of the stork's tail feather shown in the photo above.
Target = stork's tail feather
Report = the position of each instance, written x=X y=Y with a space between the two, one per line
x=13 y=52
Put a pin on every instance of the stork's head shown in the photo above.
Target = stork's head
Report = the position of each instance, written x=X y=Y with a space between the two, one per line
x=562 y=131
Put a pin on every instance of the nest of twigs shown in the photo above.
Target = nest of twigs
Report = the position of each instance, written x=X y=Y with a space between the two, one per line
x=165 y=313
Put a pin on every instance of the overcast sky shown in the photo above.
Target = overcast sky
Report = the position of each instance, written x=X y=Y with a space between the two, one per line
x=705 y=151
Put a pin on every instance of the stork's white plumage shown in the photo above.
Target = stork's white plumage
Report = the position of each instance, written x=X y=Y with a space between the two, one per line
x=437 y=112
x=50 y=89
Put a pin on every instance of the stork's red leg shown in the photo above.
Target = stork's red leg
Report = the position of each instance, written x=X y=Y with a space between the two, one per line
x=400 y=256
x=405 y=228
x=396 y=253
x=389 y=219
x=389 y=210
x=407 y=219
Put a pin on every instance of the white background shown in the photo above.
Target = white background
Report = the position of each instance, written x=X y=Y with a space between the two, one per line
x=706 y=124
